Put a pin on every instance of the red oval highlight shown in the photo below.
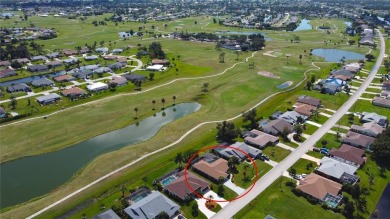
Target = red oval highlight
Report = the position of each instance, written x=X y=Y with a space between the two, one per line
x=220 y=146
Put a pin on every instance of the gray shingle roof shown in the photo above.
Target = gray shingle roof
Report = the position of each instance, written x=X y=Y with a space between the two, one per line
x=42 y=82
x=335 y=168
x=150 y=206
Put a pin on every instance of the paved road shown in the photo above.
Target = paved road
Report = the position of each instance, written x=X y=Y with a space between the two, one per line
x=233 y=207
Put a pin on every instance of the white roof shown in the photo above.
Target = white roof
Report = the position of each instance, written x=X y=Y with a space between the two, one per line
x=335 y=168
x=96 y=85
x=155 y=67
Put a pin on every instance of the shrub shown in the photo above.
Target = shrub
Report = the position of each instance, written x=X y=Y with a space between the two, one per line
x=290 y=184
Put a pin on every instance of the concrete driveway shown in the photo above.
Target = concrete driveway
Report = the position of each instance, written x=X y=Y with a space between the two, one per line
x=234 y=187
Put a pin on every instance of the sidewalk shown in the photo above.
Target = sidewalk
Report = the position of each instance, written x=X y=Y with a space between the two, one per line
x=233 y=187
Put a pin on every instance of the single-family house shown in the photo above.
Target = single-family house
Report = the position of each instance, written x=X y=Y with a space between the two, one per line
x=304 y=109
x=155 y=68
x=337 y=170
x=134 y=77
x=71 y=61
x=3 y=114
x=118 y=81
x=48 y=99
x=374 y=117
x=151 y=206
x=22 y=60
x=109 y=57
x=53 y=55
x=5 y=63
x=178 y=187
x=70 y=52
x=358 y=140
x=386 y=85
x=321 y=188
x=101 y=70
x=91 y=57
x=260 y=139
x=37 y=68
x=18 y=87
x=342 y=74
x=370 y=129
x=309 y=100
x=7 y=73
x=275 y=127
x=98 y=86
x=109 y=214
x=348 y=154
x=90 y=67
x=116 y=65
x=117 y=51
x=81 y=74
x=73 y=93
x=211 y=167
x=241 y=153
x=37 y=58
x=54 y=64
x=85 y=50
x=293 y=117
x=383 y=102
x=163 y=62
x=102 y=50
x=352 y=67
x=63 y=78
x=275 y=115
x=42 y=82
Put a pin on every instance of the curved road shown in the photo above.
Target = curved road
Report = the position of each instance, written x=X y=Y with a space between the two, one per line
x=233 y=207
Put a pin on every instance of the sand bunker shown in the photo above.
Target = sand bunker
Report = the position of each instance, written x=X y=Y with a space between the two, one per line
x=269 y=53
x=267 y=74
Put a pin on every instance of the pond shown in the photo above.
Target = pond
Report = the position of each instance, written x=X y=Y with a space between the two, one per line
x=29 y=79
x=30 y=177
x=335 y=55
x=285 y=85
x=304 y=25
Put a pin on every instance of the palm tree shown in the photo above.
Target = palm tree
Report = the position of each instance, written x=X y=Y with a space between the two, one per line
x=123 y=189
x=163 y=102
x=145 y=179
x=174 y=100
x=153 y=102
x=136 y=112
x=179 y=159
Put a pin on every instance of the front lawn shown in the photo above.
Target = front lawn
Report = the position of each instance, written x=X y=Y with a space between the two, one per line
x=304 y=166
x=331 y=141
x=239 y=180
x=280 y=202
x=276 y=153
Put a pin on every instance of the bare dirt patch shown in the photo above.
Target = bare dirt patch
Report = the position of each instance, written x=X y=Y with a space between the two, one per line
x=267 y=74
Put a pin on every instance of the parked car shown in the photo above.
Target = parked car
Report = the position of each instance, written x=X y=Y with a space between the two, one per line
x=297 y=177
x=303 y=175
x=264 y=157
x=316 y=149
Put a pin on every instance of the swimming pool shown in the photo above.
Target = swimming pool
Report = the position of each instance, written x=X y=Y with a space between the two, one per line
x=168 y=180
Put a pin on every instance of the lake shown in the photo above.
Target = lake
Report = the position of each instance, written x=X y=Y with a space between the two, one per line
x=304 y=25
x=334 y=55
x=30 y=177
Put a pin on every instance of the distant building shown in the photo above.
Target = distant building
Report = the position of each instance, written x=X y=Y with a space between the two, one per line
x=7 y=73
x=48 y=99
x=96 y=87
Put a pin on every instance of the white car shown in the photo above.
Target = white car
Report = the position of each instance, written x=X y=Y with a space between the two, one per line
x=304 y=175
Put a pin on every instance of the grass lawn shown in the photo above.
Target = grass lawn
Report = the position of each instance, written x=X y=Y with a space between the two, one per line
x=332 y=143
x=283 y=204
x=310 y=129
x=229 y=95
x=276 y=153
x=187 y=211
x=238 y=179
x=301 y=166
x=315 y=154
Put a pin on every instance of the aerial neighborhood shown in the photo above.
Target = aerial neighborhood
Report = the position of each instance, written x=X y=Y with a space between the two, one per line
x=194 y=109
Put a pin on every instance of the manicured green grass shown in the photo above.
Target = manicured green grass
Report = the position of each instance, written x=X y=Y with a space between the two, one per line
x=276 y=153
x=187 y=211
x=310 y=129
x=239 y=180
x=331 y=139
x=315 y=154
x=302 y=166
x=283 y=204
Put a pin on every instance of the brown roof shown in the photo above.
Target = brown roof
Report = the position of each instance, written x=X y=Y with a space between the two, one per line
x=160 y=61
x=121 y=60
x=180 y=188
x=69 y=52
x=110 y=57
x=318 y=186
x=358 y=139
x=119 y=80
x=309 y=100
x=370 y=127
x=349 y=153
x=262 y=139
x=304 y=109
x=73 y=91
x=63 y=78
x=5 y=63
x=381 y=102
x=215 y=169
x=278 y=125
